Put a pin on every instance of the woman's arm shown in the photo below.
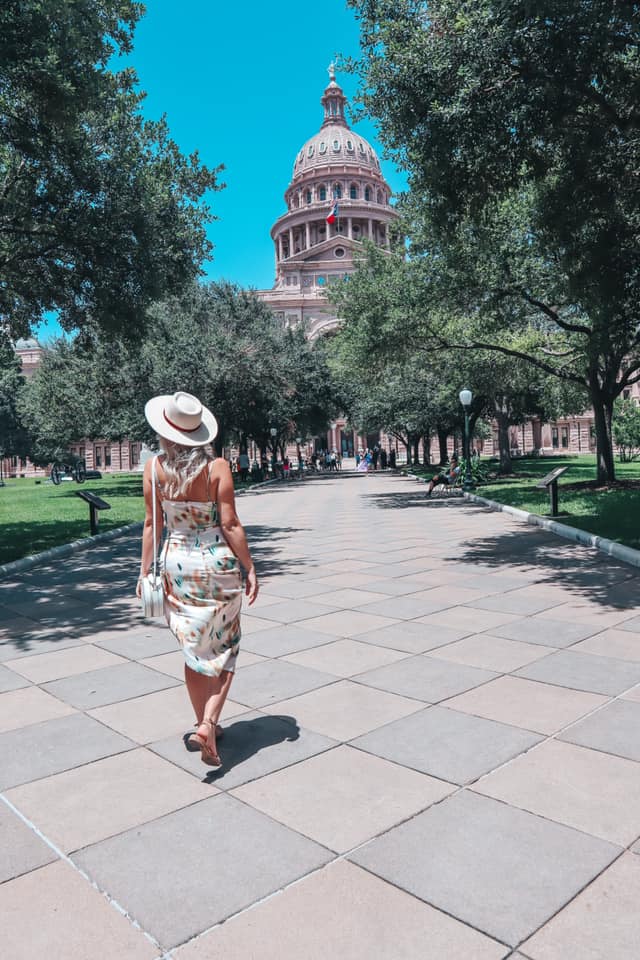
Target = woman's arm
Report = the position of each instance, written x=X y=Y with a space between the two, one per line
x=146 y=561
x=232 y=528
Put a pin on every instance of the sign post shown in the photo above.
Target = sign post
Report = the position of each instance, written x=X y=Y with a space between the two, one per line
x=551 y=484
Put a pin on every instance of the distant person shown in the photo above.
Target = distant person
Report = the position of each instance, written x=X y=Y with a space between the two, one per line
x=446 y=477
x=392 y=459
x=383 y=459
x=243 y=463
x=357 y=459
x=333 y=461
x=374 y=456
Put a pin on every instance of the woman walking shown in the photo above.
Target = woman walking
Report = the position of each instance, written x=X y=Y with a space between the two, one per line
x=201 y=557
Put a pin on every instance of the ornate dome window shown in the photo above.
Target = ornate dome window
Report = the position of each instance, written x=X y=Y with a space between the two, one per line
x=310 y=150
x=323 y=147
x=350 y=145
x=337 y=191
x=361 y=148
x=367 y=194
x=379 y=197
x=338 y=252
x=309 y=196
x=336 y=146
x=353 y=191
x=322 y=192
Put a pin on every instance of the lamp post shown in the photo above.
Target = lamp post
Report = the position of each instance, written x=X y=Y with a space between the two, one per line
x=333 y=426
x=298 y=442
x=274 y=456
x=465 y=399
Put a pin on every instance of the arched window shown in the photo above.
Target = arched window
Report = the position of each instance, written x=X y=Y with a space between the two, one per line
x=367 y=194
x=379 y=197
x=353 y=192
x=322 y=193
x=337 y=191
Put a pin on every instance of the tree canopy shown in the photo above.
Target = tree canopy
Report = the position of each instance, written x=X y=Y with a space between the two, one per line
x=217 y=341
x=100 y=212
x=518 y=125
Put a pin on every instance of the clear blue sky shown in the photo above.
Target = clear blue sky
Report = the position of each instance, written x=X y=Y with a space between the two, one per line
x=241 y=83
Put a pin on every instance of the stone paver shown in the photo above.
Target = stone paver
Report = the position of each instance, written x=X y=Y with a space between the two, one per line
x=478 y=863
x=602 y=922
x=467 y=832
x=368 y=918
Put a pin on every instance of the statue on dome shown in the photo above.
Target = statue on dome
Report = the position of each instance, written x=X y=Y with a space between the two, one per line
x=331 y=70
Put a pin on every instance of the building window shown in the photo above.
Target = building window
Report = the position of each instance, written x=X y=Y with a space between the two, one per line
x=307 y=281
x=626 y=394
x=310 y=150
x=367 y=194
x=309 y=196
x=336 y=146
x=98 y=456
x=339 y=252
x=361 y=147
x=323 y=147
x=322 y=193
x=135 y=454
x=353 y=192
x=554 y=438
x=337 y=191
x=107 y=456
x=320 y=281
x=564 y=437
x=379 y=197
x=349 y=144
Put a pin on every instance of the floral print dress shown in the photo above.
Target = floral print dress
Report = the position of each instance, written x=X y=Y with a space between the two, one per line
x=202 y=587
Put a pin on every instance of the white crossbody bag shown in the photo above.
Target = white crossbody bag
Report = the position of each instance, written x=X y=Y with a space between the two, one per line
x=152 y=589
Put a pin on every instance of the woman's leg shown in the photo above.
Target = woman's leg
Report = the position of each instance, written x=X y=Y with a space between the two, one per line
x=198 y=689
x=217 y=694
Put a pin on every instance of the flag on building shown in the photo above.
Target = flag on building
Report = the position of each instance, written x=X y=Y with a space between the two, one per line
x=333 y=214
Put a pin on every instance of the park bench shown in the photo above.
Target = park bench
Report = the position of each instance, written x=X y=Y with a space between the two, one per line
x=95 y=504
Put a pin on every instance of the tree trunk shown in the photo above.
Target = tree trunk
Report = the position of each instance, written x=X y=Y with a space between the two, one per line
x=603 y=413
x=442 y=443
x=416 y=451
x=426 y=443
x=407 y=446
x=504 y=442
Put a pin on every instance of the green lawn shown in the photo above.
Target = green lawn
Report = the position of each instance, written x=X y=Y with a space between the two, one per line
x=35 y=516
x=612 y=512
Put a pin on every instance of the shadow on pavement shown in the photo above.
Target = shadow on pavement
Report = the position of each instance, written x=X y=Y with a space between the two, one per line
x=246 y=738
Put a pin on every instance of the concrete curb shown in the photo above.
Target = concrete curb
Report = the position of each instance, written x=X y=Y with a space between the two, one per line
x=604 y=545
x=610 y=547
x=67 y=549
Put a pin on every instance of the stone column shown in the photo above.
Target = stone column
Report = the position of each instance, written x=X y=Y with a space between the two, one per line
x=290 y=241
x=349 y=228
x=307 y=235
x=370 y=222
x=279 y=246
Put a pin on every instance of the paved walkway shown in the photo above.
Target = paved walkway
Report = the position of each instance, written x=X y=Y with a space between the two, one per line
x=432 y=748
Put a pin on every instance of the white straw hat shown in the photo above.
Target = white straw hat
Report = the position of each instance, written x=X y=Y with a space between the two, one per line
x=181 y=418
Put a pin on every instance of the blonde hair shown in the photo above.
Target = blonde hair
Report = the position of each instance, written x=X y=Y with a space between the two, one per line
x=182 y=465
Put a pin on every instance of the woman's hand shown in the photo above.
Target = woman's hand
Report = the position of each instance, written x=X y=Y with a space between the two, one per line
x=251 y=586
x=139 y=588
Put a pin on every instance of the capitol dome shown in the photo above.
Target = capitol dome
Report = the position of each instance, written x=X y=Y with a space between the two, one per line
x=335 y=143
x=337 y=198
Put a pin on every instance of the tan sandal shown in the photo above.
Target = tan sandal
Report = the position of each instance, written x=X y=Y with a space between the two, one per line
x=192 y=742
x=206 y=754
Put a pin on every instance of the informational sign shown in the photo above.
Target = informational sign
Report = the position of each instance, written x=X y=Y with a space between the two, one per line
x=552 y=477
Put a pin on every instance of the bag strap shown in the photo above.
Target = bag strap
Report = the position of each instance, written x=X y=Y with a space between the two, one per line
x=154 y=508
